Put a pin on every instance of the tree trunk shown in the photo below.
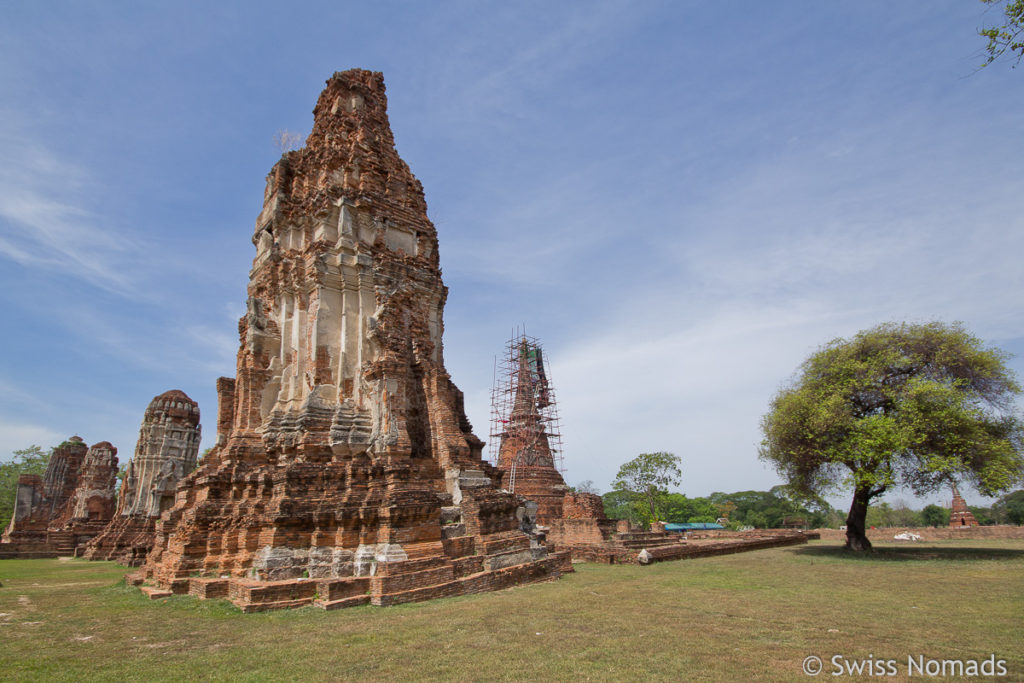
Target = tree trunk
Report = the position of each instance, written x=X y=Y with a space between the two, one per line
x=856 y=521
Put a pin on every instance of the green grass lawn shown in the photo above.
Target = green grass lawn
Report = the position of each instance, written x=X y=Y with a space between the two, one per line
x=753 y=616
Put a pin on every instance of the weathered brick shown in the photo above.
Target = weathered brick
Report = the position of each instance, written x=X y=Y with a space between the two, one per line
x=342 y=437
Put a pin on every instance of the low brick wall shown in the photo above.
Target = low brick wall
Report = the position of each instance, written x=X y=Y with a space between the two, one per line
x=27 y=551
x=739 y=545
x=722 y=543
x=932 y=533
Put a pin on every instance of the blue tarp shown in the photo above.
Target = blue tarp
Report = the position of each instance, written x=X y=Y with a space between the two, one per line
x=693 y=526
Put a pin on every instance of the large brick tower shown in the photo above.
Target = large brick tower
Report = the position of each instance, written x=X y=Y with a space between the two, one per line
x=345 y=469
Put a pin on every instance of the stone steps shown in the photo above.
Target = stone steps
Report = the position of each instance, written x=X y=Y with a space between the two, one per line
x=448 y=579
x=154 y=593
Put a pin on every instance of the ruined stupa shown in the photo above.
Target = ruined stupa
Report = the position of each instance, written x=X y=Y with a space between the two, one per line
x=166 y=451
x=345 y=469
x=39 y=501
x=524 y=425
x=91 y=506
x=71 y=503
x=960 y=516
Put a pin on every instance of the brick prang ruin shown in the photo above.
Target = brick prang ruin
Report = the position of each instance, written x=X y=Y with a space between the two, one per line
x=65 y=508
x=166 y=451
x=960 y=516
x=345 y=469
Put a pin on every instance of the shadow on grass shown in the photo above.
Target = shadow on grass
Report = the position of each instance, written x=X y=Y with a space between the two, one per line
x=909 y=553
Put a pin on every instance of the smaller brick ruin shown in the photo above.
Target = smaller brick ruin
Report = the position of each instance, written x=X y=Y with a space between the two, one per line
x=91 y=506
x=526 y=431
x=960 y=515
x=525 y=426
x=69 y=505
x=167 y=450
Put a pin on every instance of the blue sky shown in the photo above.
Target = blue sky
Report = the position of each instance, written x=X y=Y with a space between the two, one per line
x=682 y=200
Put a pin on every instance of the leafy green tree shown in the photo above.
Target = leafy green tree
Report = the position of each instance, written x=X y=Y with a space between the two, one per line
x=879 y=516
x=934 y=515
x=982 y=515
x=903 y=515
x=647 y=477
x=758 y=520
x=1010 y=508
x=1008 y=36
x=122 y=472
x=899 y=404
x=817 y=510
x=622 y=505
x=769 y=509
x=680 y=509
x=31 y=460
x=897 y=514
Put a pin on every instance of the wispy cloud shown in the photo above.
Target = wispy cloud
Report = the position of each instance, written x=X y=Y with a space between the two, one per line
x=687 y=345
x=16 y=436
x=45 y=219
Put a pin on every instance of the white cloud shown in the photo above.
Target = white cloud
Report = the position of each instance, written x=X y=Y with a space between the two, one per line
x=16 y=436
x=685 y=350
x=45 y=222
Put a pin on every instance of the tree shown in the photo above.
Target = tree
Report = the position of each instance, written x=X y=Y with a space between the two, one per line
x=586 y=486
x=1008 y=36
x=122 y=472
x=621 y=505
x=934 y=515
x=879 y=516
x=31 y=460
x=647 y=478
x=1010 y=508
x=677 y=508
x=899 y=404
x=982 y=515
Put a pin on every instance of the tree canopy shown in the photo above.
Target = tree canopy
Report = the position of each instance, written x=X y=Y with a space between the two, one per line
x=1010 y=508
x=647 y=478
x=917 y=405
x=31 y=460
x=1008 y=36
x=935 y=515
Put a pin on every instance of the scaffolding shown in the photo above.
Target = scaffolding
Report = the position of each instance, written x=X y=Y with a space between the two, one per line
x=525 y=426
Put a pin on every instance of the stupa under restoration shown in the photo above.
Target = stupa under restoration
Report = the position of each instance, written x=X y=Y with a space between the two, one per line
x=345 y=470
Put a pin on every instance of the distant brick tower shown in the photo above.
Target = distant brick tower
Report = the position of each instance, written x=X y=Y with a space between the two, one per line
x=167 y=450
x=94 y=499
x=39 y=502
x=345 y=469
x=524 y=424
x=73 y=502
x=960 y=515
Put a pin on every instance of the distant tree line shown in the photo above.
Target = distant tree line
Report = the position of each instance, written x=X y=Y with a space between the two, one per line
x=774 y=508
x=758 y=509
x=1006 y=510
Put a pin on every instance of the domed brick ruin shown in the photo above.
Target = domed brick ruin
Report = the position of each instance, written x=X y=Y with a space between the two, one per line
x=166 y=451
x=345 y=470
